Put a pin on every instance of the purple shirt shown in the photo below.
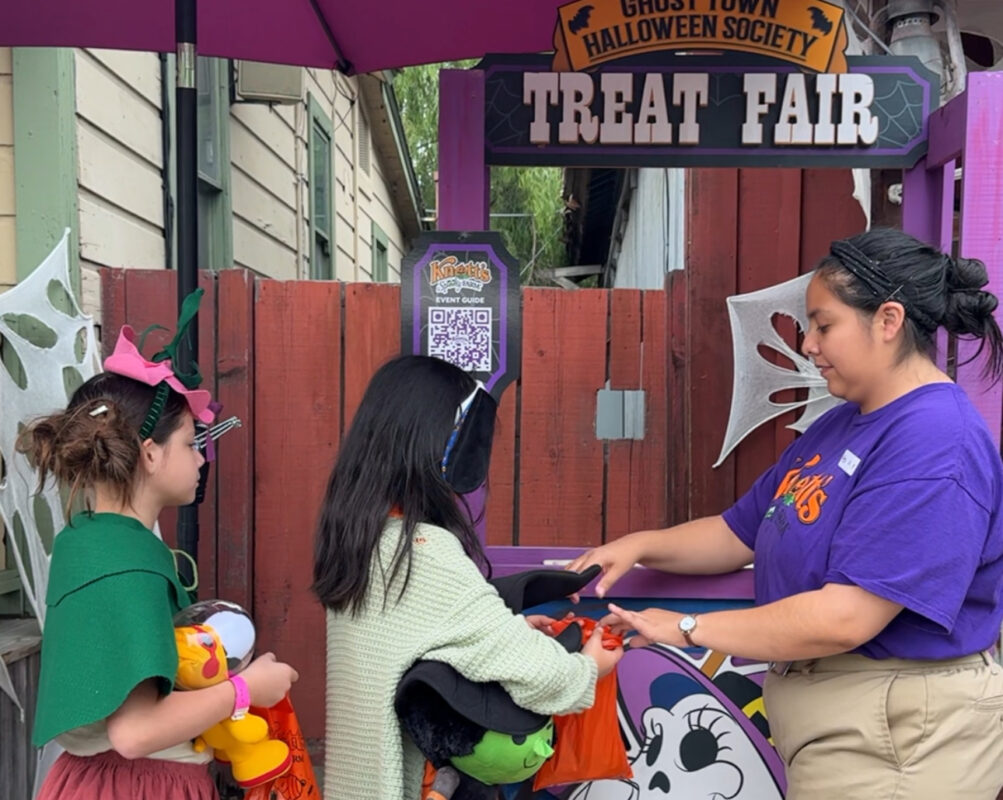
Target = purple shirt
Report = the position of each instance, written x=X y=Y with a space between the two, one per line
x=905 y=503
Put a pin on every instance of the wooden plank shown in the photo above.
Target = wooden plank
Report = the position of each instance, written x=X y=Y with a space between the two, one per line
x=150 y=300
x=560 y=459
x=116 y=175
x=250 y=155
x=108 y=235
x=649 y=457
x=234 y=468
x=297 y=334
x=17 y=756
x=711 y=263
x=113 y=305
x=828 y=212
x=260 y=208
x=464 y=180
x=263 y=254
x=769 y=227
x=268 y=127
x=7 y=207
x=207 y=320
x=8 y=249
x=625 y=339
x=677 y=398
x=6 y=101
x=372 y=337
x=501 y=500
x=981 y=224
x=19 y=638
x=138 y=70
x=118 y=109
x=624 y=373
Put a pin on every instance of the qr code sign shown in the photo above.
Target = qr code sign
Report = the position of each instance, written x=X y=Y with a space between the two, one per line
x=461 y=336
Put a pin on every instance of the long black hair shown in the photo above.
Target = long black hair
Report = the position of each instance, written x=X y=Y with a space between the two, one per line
x=390 y=460
x=934 y=288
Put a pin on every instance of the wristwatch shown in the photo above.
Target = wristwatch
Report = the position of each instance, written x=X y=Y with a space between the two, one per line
x=687 y=625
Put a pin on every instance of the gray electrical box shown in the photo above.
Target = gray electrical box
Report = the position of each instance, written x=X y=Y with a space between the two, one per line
x=268 y=83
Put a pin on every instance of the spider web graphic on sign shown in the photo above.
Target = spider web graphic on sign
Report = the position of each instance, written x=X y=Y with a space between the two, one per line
x=461 y=336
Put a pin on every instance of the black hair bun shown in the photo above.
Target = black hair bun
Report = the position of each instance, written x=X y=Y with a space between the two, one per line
x=968 y=306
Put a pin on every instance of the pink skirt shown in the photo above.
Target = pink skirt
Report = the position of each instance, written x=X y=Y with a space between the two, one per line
x=108 y=776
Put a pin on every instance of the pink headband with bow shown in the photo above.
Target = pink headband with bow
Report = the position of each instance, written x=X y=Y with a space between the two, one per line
x=127 y=361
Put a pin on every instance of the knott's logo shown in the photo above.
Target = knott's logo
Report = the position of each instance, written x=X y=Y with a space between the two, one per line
x=809 y=33
x=450 y=274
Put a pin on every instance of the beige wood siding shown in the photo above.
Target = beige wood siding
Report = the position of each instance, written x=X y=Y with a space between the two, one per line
x=377 y=206
x=8 y=264
x=266 y=158
x=120 y=173
x=120 y=159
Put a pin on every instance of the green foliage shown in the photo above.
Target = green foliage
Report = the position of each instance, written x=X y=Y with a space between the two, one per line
x=536 y=240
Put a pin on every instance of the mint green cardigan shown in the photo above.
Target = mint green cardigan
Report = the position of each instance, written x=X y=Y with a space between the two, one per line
x=449 y=613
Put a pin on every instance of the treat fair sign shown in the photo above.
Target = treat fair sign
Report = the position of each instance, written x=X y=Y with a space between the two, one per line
x=460 y=303
x=705 y=83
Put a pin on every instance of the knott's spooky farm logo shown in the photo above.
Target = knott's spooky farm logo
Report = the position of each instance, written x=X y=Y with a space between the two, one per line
x=808 y=33
x=451 y=274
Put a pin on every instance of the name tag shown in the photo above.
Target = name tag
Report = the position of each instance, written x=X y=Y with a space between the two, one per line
x=849 y=462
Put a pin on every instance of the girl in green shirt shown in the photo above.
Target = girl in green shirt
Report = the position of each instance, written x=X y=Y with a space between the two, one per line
x=126 y=444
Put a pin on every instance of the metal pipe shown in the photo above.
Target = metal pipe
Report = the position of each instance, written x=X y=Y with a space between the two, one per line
x=187 y=188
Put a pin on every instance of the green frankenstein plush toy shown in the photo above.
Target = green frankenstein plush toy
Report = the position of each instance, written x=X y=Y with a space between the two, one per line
x=476 y=727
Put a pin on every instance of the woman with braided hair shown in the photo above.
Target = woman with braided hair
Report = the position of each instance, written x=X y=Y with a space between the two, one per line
x=877 y=541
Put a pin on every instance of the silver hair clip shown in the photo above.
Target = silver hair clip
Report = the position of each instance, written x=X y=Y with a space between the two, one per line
x=101 y=409
x=217 y=430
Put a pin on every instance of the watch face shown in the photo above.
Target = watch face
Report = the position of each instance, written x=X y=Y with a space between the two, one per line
x=687 y=624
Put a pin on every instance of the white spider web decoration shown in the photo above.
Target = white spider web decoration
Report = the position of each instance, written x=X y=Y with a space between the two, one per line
x=51 y=348
x=756 y=380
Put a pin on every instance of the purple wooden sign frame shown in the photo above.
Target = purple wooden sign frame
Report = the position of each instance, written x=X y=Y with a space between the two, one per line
x=969 y=128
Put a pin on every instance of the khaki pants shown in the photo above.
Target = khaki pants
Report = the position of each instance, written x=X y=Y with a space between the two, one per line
x=851 y=728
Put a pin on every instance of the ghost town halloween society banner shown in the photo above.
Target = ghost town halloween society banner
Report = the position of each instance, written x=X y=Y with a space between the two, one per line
x=808 y=33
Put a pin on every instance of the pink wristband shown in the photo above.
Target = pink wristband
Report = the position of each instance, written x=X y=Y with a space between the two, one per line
x=241 y=697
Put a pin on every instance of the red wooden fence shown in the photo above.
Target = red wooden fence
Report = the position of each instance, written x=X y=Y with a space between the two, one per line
x=292 y=359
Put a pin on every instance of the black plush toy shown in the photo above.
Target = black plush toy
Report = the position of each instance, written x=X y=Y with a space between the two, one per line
x=476 y=727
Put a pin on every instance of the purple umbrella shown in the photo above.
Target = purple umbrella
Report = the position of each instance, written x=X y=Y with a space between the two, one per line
x=317 y=33
x=335 y=34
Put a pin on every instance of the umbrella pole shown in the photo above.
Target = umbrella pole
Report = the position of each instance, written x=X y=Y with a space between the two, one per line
x=187 y=227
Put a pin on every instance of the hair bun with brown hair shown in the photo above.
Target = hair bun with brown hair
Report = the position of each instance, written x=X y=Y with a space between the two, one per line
x=95 y=443
x=91 y=443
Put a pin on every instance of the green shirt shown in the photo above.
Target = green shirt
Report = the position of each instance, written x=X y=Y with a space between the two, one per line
x=113 y=593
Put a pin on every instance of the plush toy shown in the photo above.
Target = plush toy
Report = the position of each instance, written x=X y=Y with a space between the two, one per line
x=476 y=728
x=215 y=639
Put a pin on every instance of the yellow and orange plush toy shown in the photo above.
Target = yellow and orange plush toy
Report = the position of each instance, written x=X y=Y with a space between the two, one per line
x=216 y=639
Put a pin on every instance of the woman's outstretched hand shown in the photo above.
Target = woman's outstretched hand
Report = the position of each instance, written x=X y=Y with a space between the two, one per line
x=652 y=625
x=615 y=559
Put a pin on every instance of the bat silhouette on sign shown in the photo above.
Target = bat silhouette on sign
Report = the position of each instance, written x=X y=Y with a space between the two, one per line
x=580 y=20
x=819 y=21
